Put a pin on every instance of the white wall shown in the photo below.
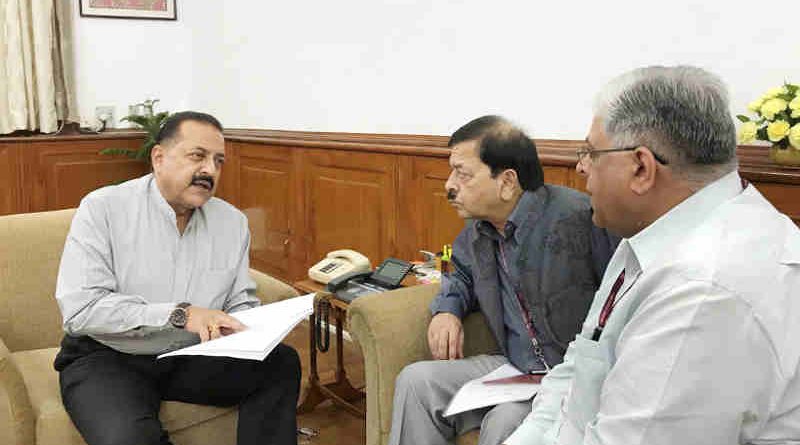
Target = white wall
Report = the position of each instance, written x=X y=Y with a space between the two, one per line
x=421 y=66
x=119 y=62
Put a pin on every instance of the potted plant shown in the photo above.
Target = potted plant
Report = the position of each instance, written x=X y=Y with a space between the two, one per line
x=777 y=121
x=151 y=123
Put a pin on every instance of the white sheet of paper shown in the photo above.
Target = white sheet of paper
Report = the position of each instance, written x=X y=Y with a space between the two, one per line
x=266 y=325
x=476 y=394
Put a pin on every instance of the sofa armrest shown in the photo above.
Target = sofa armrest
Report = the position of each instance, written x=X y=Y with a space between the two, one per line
x=391 y=329
x=17 y=422
x=269 y=289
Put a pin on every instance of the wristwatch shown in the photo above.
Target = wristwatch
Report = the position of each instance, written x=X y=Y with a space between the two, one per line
x=179 y=315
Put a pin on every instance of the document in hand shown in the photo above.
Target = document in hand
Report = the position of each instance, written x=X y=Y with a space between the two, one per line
x=490 y=390
x=266 y=326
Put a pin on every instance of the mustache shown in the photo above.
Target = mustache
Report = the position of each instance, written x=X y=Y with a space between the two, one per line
x=203 y=181
x=451 y=195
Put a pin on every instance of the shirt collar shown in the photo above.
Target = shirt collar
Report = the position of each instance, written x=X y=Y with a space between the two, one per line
x=668 y=229
x=163 y=206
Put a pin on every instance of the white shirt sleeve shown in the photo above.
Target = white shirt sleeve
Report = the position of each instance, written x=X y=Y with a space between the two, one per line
x=86 y=289
x=693 y=366
x=540 y=427
x=243 y=293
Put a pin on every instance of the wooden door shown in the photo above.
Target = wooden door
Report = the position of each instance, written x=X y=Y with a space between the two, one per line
x=350 y=203
x=263 y=180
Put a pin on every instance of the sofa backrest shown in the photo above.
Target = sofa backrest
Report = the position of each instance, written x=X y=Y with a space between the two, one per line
x=30 y=252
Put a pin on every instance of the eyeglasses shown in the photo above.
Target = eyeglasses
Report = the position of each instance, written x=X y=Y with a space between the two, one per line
x=583 y=152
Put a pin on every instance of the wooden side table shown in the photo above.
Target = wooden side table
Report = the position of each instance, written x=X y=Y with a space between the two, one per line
x=340 y=391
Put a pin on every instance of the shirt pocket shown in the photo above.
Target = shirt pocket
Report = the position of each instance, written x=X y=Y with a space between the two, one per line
x=592 y=365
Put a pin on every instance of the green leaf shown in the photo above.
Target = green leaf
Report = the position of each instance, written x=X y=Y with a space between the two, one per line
x=141 y=121
x=151 y=124
x=742 y=118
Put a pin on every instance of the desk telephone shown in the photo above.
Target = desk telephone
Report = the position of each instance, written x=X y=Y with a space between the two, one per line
x=387 y=276
x=348 y=274
x=350 y=285
x=338 y=263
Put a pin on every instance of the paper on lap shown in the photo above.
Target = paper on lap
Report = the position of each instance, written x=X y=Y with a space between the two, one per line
x=476 y=394
x=266 y=326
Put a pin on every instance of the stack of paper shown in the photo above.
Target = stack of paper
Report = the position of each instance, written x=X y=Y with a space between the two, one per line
x=477 y=394
x=266 y=326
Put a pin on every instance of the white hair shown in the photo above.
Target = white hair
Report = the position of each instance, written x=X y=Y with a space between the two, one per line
x=681 y=113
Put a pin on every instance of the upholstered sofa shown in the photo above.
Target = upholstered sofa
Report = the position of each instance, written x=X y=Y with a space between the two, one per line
x=31 y=411
x=391 y=329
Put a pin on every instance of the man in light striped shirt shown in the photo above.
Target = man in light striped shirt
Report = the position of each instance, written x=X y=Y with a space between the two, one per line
x=152 y=265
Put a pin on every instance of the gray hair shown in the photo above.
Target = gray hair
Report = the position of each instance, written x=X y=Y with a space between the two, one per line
x=681 y=113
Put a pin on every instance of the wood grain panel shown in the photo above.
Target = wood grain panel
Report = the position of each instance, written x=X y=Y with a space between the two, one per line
x=9 y=179
x=308 y=193
x=266 y=176
x=557 y=175
x=784 y=197
x=62 y=173
x=351 y=202
x=427 y=221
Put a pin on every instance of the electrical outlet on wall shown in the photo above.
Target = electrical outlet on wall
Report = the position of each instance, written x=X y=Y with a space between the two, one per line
x=105 y=114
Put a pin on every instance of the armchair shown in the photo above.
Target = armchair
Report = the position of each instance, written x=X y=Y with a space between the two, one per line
x=391 y=329
x=31 y=411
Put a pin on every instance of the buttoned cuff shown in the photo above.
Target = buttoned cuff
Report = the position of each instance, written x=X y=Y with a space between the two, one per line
x=448 y=305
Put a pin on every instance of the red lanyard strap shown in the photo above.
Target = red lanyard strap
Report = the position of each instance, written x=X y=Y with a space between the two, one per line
x=608 y=306
x=526 y=316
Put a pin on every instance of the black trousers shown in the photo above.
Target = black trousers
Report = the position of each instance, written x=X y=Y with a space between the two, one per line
x=114 y=398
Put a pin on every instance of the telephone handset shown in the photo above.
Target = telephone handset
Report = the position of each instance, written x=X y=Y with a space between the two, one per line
x=337 y=264
x=387 y=276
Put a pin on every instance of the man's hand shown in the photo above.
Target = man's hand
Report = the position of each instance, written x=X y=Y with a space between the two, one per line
x=211 y=323
x=446 y=337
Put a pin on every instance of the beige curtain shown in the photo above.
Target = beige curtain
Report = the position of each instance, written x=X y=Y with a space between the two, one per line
x=36 y=70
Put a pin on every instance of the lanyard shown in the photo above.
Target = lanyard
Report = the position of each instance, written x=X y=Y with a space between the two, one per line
x=611 y=301
x=526 y=316
x=608 y=306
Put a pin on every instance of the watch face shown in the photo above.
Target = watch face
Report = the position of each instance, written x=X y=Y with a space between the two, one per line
x=178 y=317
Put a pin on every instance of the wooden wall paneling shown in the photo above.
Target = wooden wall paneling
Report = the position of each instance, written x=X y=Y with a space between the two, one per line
x=60 y=173
x=264 y=181
x=227 y=188
x=351 y=202
x=426 y=220
x=9 y=179
x=557 y=175
x=314 y=192
x=785 y=197
x=300 y=256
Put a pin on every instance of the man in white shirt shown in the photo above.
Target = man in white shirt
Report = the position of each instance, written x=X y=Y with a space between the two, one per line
x=692 y=337
x=152 y=265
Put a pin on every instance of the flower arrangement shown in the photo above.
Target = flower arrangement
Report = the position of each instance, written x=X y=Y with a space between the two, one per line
x=777 y=118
